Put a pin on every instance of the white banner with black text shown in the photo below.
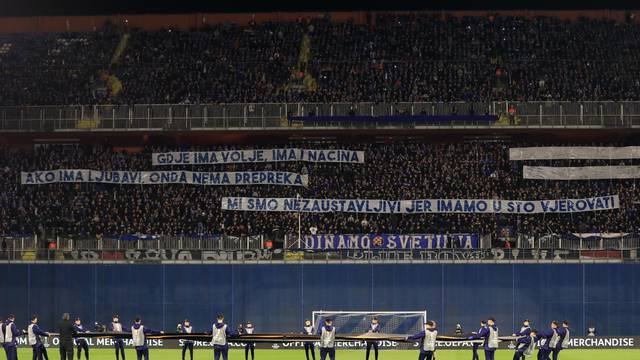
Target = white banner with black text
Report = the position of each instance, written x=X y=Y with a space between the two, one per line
x=423 y=206
x=163 y=177
x=257 y=156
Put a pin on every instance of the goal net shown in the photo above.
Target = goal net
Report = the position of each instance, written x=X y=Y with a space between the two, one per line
x=359 y=322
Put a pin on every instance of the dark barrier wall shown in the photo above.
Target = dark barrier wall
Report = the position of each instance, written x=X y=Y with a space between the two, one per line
x=279 y=297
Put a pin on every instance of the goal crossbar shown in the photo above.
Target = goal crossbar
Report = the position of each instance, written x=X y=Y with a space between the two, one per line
x=315 y=314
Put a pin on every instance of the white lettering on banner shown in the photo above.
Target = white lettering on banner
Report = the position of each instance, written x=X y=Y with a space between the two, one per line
x=159 y=255
x=22 y=341
x=459 y=255
x=164 y=177
x=257 y=156
x=388 y=241
x=475 y=206
x=580 y=172
x=172 y=255
x=602 y=342
x=574 y=153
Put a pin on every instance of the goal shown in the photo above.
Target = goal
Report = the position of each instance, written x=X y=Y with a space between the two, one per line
x=358 y=322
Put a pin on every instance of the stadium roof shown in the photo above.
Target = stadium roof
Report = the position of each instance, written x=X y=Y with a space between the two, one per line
x=84 y=7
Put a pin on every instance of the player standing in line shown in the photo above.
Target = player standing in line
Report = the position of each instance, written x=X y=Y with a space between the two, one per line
x=139 y=336
x=45 y=344
x=525 y=330
x=475 y=356
x=563 y=341
x=327 y=340
x=435 y=326
x=526 y=345
x=548 y=338
x=307 y=329
x=428 y=341
x=490 y=335
x=10 y=333
x=81 y=342
x=220 y=331
x=249 y=347
x=2 y=326
x=2 y=335
x=186 y=328
x=116 y=327
x=33 y=338
x=374 y=329
x=483 y=324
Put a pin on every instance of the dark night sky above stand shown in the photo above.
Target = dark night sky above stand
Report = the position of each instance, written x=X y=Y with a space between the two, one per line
x=88 y=7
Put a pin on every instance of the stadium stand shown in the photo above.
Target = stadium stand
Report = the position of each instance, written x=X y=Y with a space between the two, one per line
x=416 y=57
x=434 y=101
x=44 y=69
x=402 y=170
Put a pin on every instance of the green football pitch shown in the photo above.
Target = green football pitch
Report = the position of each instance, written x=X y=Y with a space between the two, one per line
x=166 y=354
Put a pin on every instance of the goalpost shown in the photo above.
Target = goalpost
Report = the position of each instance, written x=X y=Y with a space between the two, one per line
x=391 y=322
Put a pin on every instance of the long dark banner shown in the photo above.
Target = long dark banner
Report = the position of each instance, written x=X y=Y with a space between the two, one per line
x=352 y=341
x=213 y=256
x=263 y=337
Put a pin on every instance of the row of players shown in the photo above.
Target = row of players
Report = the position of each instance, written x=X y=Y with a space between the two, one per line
x=69 y=332
x=552 y=341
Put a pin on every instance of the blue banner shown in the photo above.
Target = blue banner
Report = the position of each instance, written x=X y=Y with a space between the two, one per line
x=398 y=118
x=389 y=241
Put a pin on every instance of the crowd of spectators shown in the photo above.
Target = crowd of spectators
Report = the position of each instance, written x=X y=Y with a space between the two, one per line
x=55 y=69
x=224 y=63
x=389 y=58
x=394 y=171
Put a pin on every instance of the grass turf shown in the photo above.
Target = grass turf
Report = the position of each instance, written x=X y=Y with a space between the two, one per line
x=200 y=354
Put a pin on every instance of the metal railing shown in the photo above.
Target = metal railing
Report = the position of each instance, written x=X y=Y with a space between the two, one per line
x=291 y=242
x=223 y=248
x=221 y=242
x=556 y=241
x=276 y=115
